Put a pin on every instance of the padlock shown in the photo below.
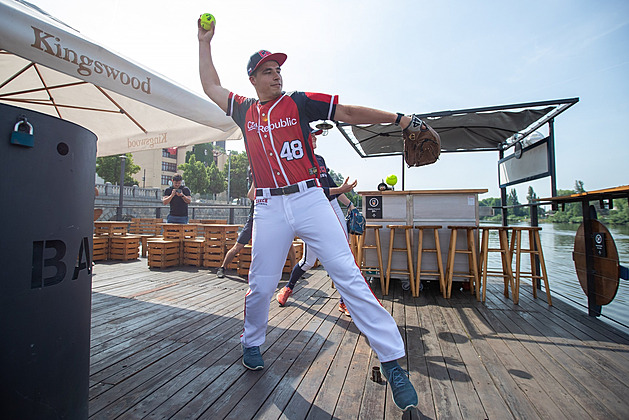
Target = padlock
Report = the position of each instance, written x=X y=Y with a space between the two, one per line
x=23 y=138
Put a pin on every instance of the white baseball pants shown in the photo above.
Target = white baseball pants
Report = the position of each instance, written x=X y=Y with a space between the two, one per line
x=310 y=257
x=309 y=215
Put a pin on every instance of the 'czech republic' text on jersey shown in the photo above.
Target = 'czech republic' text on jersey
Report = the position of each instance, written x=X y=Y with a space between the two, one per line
x=277 y=135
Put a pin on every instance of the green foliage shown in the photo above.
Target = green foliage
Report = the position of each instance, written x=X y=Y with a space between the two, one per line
x=572 y=212
x=619 y=215
x=531 y=196
x=217 y=183
x=491 y=202
x=108 y=168
x=238 y=179
x=339 y=179
x=203 y=153
x=512 y=200
x=195 y=175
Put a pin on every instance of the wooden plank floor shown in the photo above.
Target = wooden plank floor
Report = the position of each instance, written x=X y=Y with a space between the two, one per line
x=165 y=344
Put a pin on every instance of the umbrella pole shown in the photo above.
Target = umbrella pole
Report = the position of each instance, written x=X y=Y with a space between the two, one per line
x=123 y=158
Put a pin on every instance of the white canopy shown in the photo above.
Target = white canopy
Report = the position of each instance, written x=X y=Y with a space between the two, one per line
x=51 y=68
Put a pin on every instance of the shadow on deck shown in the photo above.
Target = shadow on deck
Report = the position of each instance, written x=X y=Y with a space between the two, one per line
x=165 y=344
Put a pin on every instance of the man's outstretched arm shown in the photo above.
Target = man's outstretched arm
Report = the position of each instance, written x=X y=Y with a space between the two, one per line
x=209 y=77
x=354 y=114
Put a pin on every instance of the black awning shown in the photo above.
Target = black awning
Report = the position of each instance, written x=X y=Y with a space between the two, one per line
x=467 y=130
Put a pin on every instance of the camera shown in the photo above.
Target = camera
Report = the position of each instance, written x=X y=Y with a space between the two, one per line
x=179 y=190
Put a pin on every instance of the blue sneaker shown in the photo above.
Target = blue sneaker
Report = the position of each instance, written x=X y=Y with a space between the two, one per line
x=251 y=358
x=404 y=395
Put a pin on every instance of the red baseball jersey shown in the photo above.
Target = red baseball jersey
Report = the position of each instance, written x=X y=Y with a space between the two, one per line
x=277 y=135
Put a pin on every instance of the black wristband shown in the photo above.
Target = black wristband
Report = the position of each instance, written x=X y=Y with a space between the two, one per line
x=399 y=117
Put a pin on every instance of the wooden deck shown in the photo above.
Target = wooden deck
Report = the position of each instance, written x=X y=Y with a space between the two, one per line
x=165 y=344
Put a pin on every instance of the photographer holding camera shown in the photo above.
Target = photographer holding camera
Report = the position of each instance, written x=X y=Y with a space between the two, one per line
x=178 y=196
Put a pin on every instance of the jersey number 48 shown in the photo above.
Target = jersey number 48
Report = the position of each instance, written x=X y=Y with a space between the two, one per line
x=292 y=149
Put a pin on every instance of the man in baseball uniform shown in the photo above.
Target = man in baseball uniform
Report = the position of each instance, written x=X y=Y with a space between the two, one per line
x=290 y=202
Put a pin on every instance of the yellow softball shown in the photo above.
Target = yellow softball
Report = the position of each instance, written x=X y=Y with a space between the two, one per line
x=391 y=180
x=206 y=21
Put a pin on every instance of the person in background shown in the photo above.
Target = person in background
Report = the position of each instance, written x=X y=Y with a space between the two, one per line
x=178 y=196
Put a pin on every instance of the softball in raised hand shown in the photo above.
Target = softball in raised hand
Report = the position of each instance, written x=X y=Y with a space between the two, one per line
x=206 y=21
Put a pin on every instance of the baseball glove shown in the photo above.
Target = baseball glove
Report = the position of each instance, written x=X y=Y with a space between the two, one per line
x=355 y=222
x=422 y=144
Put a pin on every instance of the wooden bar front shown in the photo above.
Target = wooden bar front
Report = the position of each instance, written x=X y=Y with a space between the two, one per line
x=421 y=207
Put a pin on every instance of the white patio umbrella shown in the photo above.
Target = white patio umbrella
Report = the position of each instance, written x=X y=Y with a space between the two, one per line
x=51 y=68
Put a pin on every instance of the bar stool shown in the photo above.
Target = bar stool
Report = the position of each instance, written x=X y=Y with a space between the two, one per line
x=505 y=257
x=470 y=251
x=437 y=251
x=534 y=249
x=409 y=257
x=362 y=248
x=354 y=240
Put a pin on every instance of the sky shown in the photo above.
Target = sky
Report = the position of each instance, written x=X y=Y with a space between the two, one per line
x=411 y=56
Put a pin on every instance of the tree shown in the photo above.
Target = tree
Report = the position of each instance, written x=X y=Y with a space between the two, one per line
x=195 y=174
x=579 y=187
x=217 y=183
x=531 y=196
x=619 y=214
x=238 y=185
x=490 y=202
x=571 y=213
x=203 y=153
x=108 y=168
x=512 y=200
x=339 y=179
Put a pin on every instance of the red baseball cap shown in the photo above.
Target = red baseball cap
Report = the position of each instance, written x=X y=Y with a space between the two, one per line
x=263 y=56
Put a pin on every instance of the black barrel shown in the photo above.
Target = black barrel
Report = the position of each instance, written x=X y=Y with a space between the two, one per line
x=46 y=226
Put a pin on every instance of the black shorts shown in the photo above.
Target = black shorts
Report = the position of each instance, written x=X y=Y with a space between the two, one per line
x=245 y=235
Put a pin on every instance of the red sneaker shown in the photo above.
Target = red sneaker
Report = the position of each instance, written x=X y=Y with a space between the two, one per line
x=283 y=295
x=343 y=308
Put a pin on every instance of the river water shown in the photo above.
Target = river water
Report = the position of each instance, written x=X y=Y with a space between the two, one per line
x=558 y=245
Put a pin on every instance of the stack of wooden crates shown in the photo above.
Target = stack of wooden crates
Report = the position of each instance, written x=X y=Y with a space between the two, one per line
x=145 y=228
x=244 y=258
x=218 y=240
x=167 y=251
x=113 y=243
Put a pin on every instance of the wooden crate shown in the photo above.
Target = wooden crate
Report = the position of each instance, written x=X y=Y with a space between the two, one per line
x=101 y=230
x=224 y=234
x=193 y=251
x=173 y=231
x=190 y=231
x=298 y=244
x=124 y=248
x=209 y=221
x=145 y=228
x=164 y=253
x=213 y=255
x=244 y=261
x=299 y=252
x=244 y=258
x=100 y=249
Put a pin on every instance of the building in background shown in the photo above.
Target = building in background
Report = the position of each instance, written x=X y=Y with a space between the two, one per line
x=158 y=166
